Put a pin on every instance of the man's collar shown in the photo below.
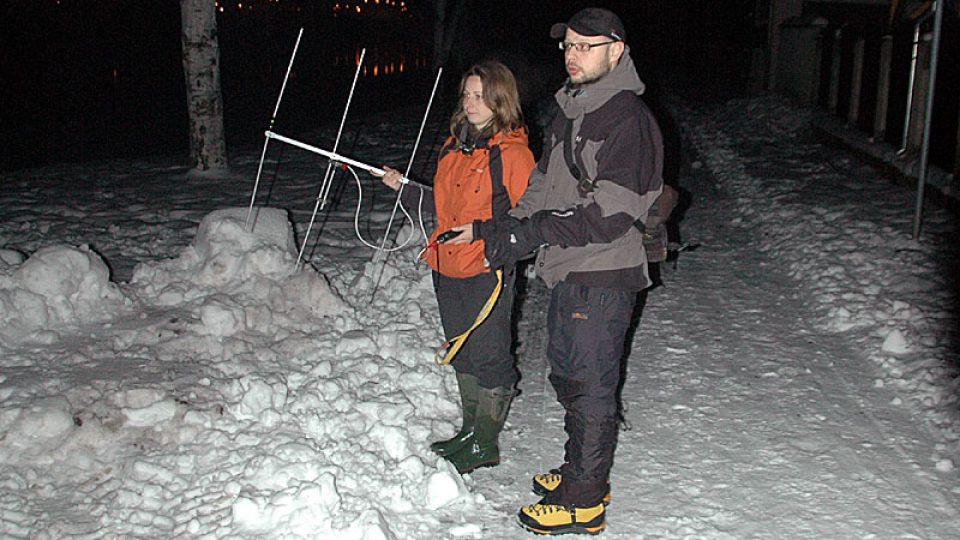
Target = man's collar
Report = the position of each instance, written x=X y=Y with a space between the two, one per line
x=572 y=89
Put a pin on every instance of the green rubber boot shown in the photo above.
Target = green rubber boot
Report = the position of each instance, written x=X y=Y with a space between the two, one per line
x=482 y=449
x=469 y=394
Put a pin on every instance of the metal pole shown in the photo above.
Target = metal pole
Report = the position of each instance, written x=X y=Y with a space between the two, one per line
x=273 y=118
x=338 y=158
x=928 y=116
x=913 y=74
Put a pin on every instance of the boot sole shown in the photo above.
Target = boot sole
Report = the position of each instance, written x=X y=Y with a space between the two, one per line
x=569 y=529
x=481 y=465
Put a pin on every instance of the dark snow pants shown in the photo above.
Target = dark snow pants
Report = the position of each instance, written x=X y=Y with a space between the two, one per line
x=588 y=329
x=487 y=353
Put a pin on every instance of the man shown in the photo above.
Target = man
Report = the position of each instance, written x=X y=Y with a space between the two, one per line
x=599 y=175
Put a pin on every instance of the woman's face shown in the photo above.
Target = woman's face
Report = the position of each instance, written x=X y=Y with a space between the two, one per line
x=478 y=114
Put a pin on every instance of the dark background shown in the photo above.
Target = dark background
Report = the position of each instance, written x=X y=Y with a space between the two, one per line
x=94 y=79
x=86 y=80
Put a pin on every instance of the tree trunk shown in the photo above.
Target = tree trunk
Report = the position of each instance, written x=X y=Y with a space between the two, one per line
x=201 y=69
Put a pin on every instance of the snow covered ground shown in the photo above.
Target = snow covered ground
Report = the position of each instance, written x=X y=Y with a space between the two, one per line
x=795 y=377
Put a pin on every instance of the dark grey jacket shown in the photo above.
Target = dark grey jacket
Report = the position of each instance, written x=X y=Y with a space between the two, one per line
x=589 y=233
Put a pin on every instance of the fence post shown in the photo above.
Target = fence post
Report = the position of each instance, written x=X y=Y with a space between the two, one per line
x=883 y=89
x=856 y=82
x=780 y=11
x=956 y=156
x=834 y=95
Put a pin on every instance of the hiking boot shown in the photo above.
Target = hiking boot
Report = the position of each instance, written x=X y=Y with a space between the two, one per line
x=482 y=450
x=546 y=483
x=469 y=393
x=560 y=519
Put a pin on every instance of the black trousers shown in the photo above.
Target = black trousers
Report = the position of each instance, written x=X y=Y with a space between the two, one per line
x=588 y=328
x=487 y=353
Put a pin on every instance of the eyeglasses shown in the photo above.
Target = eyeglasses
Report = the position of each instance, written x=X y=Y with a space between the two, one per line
x=582 y=46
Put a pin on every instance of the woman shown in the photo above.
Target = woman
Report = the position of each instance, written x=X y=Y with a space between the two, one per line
x=482 y=171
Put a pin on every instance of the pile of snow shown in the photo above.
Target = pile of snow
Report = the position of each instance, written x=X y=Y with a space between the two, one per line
x=52 y=292
x=254 y=401
x=226 y=262
x=37 y=429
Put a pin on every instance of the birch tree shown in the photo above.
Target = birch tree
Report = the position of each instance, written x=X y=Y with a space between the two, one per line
x=201 y=69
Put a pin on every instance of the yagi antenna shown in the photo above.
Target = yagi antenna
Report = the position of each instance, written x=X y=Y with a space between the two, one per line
x=333 y=157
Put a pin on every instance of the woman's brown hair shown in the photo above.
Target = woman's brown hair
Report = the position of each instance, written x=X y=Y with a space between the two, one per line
x=499 y=94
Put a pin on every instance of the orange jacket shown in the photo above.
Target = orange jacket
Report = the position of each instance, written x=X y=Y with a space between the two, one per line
x=463 y=191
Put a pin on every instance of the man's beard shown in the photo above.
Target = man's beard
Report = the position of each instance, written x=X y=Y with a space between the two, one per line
x=589 y=78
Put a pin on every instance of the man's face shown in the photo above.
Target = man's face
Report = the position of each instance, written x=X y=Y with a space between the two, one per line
x=590 y=66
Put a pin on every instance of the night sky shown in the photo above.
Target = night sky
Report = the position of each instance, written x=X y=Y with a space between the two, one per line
x=96 y=79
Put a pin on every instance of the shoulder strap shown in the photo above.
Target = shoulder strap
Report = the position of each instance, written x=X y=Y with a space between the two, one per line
x=568 y=150
x=571 y=154
x=585 y=184
x=447 y=148
x=499 y=198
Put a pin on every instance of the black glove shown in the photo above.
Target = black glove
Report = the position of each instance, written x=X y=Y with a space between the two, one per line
x=508 y=240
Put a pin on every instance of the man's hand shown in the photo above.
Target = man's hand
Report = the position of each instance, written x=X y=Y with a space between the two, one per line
x=508 y=240
x=464 y=236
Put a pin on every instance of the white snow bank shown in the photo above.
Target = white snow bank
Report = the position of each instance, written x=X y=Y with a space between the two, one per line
x=56 y=289
x=253 y=400
x=240 y=278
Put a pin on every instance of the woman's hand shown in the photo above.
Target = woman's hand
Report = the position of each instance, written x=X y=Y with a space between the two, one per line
x=465 y=236
x=391 y=178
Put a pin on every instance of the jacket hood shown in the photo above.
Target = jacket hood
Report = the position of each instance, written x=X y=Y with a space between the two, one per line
x=516 y=136
x=580 y=99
